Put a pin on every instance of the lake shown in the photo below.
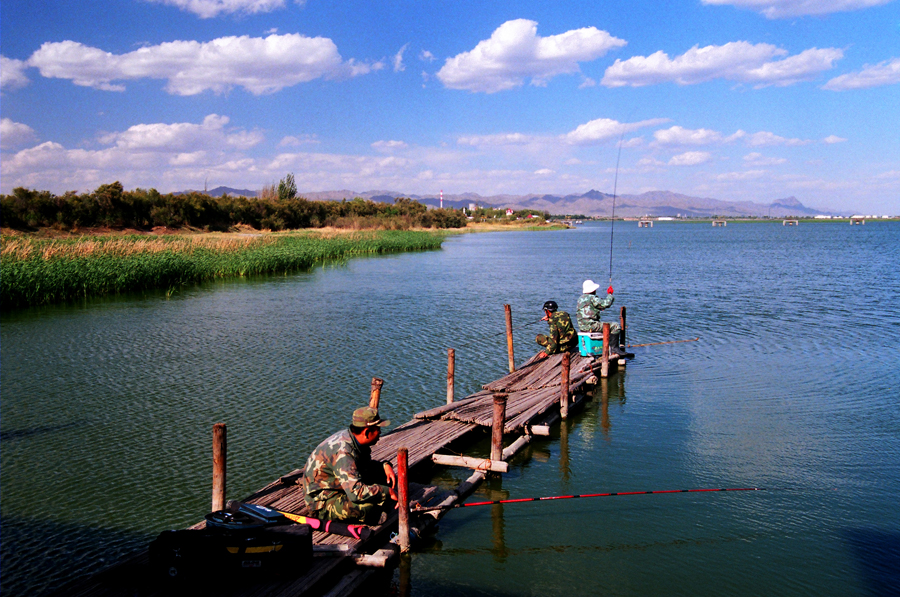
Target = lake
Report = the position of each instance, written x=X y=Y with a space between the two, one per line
x=108 y=405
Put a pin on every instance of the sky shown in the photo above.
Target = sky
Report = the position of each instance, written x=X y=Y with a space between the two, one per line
x=738 y=100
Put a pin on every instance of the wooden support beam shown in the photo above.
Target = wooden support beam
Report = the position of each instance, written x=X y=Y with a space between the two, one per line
x=564 y=386
x=622 y=327
x=451 y=374
x=380 y=559
x=375 y=393
x=509 y=338
x=514 y=447
x=403 y=498
x=220 y=452
x=479 y=464
x=497 y=426
x=604 y=361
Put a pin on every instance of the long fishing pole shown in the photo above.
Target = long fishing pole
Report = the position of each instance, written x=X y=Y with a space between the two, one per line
x=612 y=222
x=521 y=327
x=584 y=495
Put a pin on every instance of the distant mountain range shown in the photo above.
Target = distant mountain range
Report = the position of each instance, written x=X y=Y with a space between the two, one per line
x=592 y=203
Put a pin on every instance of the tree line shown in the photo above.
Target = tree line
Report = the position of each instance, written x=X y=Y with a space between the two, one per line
x=110 y=205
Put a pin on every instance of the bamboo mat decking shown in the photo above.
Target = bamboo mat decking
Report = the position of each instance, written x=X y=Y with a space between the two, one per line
x=532 y=391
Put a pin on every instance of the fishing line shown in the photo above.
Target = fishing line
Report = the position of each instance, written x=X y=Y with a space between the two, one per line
x=585 y=495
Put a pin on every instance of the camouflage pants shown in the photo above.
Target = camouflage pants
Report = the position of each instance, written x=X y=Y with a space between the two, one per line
x=547 y=342
x=597 y=326
x=340 y=507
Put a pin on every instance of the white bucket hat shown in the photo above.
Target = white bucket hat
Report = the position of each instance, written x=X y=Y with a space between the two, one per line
x=589 y=286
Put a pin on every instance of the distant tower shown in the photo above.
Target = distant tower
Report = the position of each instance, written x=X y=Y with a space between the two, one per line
x=442 y=198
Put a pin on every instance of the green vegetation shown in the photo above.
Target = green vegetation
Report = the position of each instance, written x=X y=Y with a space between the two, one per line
x=110 y=206
x=499 y=216
x=42 y=271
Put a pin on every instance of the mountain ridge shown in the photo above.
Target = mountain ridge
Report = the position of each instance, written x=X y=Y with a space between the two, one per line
x=592 y=203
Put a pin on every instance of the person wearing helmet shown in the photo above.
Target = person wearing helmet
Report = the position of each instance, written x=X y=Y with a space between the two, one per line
x=588 y=313
x=562 y=337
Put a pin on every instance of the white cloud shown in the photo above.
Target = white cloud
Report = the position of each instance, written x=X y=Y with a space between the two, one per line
x=426 y=56
x=739 y=176
x=398 y=59
x=515 y=52
x=777 y=9
x=604 y=129
x=690 y=158
x=14 y=134
x=206 y=9
x=735 y=61
x=678 y=135
x=259 y=65
x=12 y=73
x=883 y=73
x=765 y=138
x=758 y=159
x=183 y=136
x=498 y=139
x=832 y=139
x=544 y=172
x=296 y=141
x=387 y=146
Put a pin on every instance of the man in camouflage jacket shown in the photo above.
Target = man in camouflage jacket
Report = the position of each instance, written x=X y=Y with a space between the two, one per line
x=562 y=335
x=342 y=482
x=590 y=307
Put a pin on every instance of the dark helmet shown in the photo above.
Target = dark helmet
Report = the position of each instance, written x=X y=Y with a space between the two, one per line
x=551 y=306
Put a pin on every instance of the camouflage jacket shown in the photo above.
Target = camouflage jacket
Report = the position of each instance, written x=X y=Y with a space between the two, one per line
x=588 y=311
x=562 y=335
x=334 y=467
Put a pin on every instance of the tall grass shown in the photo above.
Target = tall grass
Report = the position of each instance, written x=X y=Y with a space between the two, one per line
x=39 y=271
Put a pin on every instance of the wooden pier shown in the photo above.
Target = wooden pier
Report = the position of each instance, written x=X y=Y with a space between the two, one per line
x=524 y=403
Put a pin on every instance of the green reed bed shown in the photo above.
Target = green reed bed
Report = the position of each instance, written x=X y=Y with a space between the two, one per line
x=40 y=271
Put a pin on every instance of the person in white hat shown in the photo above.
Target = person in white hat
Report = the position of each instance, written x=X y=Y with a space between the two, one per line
x=588 y=312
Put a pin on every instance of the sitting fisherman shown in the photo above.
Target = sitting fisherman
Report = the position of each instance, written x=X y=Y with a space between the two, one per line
x=588 y=313
x=562 y=336
x=342 y=482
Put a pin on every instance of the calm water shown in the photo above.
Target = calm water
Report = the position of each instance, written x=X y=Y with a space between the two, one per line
x=107 y=409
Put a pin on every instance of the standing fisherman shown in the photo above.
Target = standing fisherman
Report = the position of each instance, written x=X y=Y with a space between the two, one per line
x=342 y=482
x=562 y=336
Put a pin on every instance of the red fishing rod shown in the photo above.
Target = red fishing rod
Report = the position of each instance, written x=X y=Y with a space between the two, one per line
x=583 y=495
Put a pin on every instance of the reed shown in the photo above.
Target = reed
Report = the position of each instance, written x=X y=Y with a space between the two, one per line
x=39 y=271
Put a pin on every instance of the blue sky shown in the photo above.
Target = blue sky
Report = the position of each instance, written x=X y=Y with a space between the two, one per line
x=732 y=99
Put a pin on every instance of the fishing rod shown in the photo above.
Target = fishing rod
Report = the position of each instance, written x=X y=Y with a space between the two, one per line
x=584 y=495
x=612 y=222
x=658 y=343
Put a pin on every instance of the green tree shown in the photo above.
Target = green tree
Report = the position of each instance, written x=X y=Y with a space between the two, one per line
x=287 y=188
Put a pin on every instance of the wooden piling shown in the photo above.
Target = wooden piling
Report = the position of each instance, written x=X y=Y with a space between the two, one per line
x=451 y=374
x=564 y=387
x=497 y=427
x=622 y=327
x=509 y=338
x=375 y=393
x=219 y=456
x=604 y=363
x=403 y=498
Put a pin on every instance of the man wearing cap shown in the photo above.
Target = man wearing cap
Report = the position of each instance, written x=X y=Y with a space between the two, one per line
x=342 y=482
x=562 y=334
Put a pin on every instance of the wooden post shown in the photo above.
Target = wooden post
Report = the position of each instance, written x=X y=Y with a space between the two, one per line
x=375 y=393
x=451 y=373
x=604 y=363
x=497 y=427
x=403 y=495
x=622 y=342
x=509 y=338
x=219 y=455
x=564 y=387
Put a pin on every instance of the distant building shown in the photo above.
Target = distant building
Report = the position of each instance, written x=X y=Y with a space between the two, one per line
x=509 y=211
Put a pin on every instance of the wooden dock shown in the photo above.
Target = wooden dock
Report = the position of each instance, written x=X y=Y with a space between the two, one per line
x=533 y=397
